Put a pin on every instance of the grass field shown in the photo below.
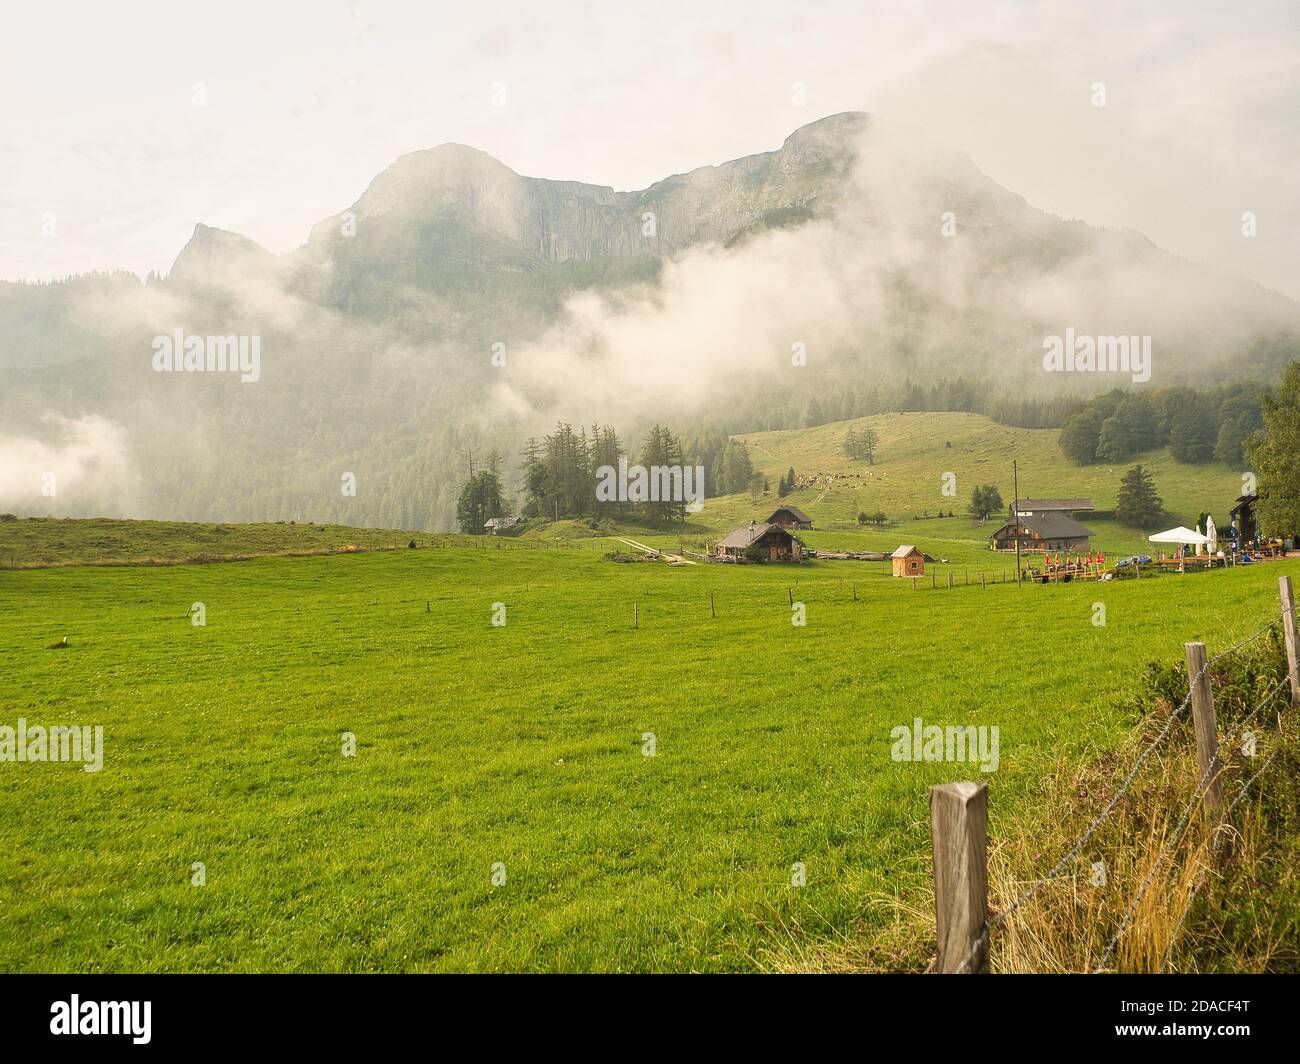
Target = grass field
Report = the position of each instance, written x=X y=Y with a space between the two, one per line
x=523 y=745
x=520 y=749
x=38 y=542
x=916 y=450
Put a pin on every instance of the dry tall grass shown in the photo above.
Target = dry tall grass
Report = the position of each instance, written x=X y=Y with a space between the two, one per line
x=1207 y=894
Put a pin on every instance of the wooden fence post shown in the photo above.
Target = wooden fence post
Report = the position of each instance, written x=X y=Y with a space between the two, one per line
x=933 y=581
x=913 y=583
x=636 y=616
x=712 y=608
x=1289 y=631
x=950 y=581
x=1207 y=735
x=981 y=581
x=959 y=843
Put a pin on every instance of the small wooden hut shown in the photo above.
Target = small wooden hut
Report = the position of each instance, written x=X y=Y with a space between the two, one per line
x=908 y=561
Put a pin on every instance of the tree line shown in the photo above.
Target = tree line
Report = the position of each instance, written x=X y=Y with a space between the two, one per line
x=1197 y=427
x=1258 y=431
x=562 y=476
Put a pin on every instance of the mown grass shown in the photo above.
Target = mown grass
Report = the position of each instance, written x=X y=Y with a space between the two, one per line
x=37 y=542
x=523 y=745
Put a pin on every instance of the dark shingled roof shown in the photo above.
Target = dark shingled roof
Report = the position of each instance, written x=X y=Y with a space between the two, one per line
x=1048 y=505
x=799 y=515
x=1050 y=526
x=747 y=534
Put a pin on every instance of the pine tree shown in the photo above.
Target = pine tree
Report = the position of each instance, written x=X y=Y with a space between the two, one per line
x=480 y=500
x=604 y=450
x=734 y=469
x=662 y=450
x=534 y=470
x=1138 y=506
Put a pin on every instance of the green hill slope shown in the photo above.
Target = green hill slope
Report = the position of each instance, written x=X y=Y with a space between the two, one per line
x=917 y=450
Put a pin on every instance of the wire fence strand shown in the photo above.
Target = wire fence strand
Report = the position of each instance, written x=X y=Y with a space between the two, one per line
x=1202 y=785
x=1029 y=893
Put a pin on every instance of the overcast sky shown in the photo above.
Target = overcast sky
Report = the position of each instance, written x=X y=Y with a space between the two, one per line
x=101 y=140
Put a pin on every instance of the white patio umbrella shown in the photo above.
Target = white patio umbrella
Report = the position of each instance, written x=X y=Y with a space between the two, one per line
x=1181 y=535
x=1212 y=534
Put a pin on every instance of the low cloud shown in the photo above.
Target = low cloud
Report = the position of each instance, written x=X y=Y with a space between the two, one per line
x=81 y=465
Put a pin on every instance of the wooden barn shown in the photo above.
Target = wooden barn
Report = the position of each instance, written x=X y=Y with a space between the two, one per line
x=908 y=561
x=789 y=517
x=1052 y=530
x=773 y=542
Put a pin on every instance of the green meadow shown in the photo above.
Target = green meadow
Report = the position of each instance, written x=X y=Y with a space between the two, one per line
x=44 y=541
x=916 y=450
x=906 y=483
x=501 y=812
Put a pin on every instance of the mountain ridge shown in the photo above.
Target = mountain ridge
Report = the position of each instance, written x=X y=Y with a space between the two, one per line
x=890 y=262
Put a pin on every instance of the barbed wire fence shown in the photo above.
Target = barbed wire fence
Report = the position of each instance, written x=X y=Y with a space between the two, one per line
x=960 y=863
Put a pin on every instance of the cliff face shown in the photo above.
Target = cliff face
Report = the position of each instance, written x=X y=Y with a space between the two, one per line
x=449 y=244
x=562 y=221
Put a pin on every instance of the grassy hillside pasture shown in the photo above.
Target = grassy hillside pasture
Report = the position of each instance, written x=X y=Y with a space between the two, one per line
x=40 y=541
x=523 y=745
x=916 y=450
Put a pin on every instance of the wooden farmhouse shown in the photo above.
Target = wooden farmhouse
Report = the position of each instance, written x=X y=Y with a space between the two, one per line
x=773 y=542
x=789 y=517
x=908 y=561
x=1041 y=532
